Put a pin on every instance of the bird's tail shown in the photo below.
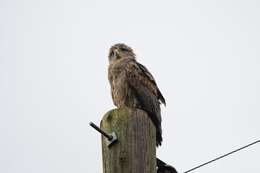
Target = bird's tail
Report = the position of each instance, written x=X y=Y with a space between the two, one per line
x=157 y=124
x=158 y=127
x=158 y=135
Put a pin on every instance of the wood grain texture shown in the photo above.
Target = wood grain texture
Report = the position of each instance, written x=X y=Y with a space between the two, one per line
x=135 y=150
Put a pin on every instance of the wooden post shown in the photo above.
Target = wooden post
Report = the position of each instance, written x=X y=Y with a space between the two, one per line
x=135 y=150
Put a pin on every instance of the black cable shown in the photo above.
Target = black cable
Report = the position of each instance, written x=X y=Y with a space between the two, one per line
x=220 y=157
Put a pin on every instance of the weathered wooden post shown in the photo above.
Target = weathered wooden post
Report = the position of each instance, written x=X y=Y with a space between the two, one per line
x=135 y=150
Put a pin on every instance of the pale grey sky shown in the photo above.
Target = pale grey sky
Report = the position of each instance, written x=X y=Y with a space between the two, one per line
x=204 y=55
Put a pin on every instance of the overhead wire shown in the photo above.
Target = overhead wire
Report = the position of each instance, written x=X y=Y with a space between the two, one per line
x=222 y=156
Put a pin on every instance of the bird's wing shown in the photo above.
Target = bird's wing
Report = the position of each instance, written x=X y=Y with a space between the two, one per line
x=137 y=75
x=151 y=78
x=142 y=82
x=144 y=86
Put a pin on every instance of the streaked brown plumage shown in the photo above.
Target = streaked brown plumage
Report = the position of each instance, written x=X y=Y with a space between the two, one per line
x=132 y=85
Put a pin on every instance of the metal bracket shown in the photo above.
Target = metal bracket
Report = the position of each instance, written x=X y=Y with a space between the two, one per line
x=110 y=138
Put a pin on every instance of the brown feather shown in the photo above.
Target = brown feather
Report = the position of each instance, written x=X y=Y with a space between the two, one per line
x=132 y=85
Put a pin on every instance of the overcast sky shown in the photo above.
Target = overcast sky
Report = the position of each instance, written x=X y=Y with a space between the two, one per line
x=204 y=55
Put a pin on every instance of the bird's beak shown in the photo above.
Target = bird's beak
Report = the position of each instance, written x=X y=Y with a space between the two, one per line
x=116 y=52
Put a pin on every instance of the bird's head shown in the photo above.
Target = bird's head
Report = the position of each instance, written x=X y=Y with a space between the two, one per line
x=119 y=51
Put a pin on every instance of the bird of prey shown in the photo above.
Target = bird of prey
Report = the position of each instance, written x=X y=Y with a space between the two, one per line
x=132 y=85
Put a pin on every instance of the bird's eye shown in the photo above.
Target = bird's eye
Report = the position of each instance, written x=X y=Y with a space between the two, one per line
x=124 y=49
x=111 y=54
